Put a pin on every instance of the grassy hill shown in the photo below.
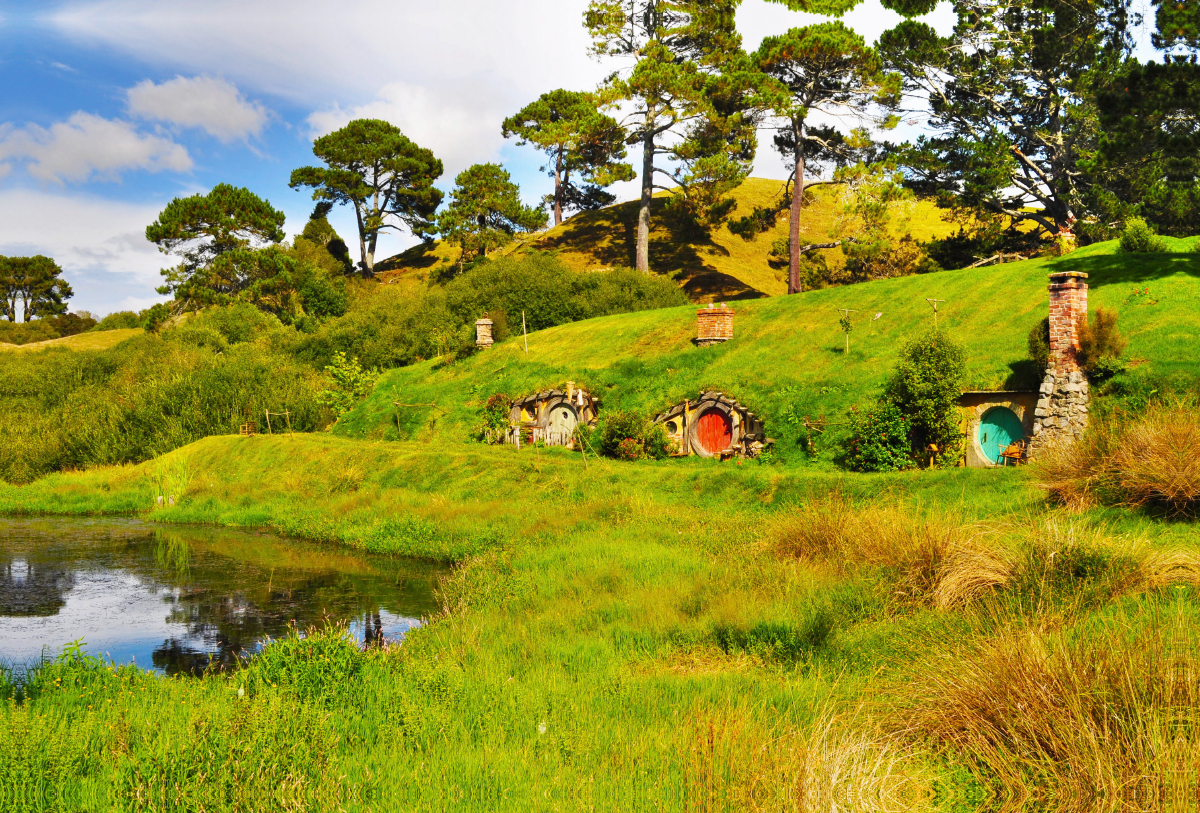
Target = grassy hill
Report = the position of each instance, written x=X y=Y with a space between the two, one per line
x=100 y=340
x=722 y=266
x=788 y=358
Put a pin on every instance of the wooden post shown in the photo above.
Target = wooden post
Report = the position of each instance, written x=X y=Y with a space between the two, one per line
x=270 y=431
x=287 y=414
x=524 y=333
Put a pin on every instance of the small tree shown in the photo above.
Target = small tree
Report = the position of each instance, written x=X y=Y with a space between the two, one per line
x=485 y=212
x=202 y=228
x=1100 y=345
x=387 y=178
x=925 y=387
x=580 y=142
x=349 y=383
x=1138 y=237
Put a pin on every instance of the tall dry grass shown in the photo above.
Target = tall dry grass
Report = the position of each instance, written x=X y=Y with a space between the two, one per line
x=840 y=764
x=936 y=558
x=1150 y=461
x=1099 y=719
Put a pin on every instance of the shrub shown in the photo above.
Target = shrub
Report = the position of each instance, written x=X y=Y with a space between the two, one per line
x=629 y=436
x=878 y=440
x=1138 y=237
x=925 y=387
x=121 y=320
x=1039 y=344
x=1100 y=345
x=348 y=382
x=493 y=427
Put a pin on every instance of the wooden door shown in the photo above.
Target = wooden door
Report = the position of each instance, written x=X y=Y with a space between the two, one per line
x=714 y=431
x=560 y=425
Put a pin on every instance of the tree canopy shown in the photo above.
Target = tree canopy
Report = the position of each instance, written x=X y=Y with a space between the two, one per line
x=202 y=228
x=37 y=284
x=388 y=179
x=485 y=211
x=580 y=141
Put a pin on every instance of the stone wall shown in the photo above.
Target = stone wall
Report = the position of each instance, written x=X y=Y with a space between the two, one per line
x=1062 y=410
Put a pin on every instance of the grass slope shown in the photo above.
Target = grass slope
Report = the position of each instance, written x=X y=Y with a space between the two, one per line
x=98 y=340
x=710 y=268
x=788 y=358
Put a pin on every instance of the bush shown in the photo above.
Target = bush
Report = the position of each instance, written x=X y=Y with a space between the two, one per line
x=629 y=436
x=493 y=426
x=1138 y=237
x=1100 y=345
x=121 y=320
x=925 y=387
x=879 y=440
x=348 y=382
x=1039 y=344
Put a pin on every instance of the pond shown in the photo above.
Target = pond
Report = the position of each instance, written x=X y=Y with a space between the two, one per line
x=174 y=599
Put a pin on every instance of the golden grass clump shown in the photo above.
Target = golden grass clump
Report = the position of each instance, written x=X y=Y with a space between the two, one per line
x=1097 y=719
x=1152 y=461
x=839 y=764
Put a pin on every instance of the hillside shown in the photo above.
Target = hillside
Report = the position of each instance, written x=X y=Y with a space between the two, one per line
x=99 y=340
x=788 y=361
x=720 y=267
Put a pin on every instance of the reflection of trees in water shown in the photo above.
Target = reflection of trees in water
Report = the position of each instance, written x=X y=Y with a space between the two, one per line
x=223 y=624
x=33 y=588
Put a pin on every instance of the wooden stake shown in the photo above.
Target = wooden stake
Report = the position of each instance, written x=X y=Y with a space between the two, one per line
x=269 y=429
x=934 y=303
x=524 y=333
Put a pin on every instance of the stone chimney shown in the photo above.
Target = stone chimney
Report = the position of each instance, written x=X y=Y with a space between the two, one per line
x=1062 y=410
x=483 y=333
x=714 y=325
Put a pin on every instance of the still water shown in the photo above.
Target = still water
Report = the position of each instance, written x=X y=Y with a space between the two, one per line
x=175 y=599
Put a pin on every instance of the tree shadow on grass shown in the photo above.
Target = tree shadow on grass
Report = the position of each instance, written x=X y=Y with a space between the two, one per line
x=1130 y=269
x=609 y=238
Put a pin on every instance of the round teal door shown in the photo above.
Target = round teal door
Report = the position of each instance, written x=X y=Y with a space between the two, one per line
x=998 y=429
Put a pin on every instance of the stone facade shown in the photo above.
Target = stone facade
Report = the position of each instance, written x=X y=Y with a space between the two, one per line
x=483 y=333
x=551 y=417
x=1062 y=409
x=714 y=325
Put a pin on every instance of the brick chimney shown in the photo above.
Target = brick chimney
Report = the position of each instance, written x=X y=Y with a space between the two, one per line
x=1062 y=410
x=714 y=325
x=483 y=333
x=1068 y=304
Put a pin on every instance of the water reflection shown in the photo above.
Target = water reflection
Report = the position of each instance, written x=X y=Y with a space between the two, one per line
x=181 y=599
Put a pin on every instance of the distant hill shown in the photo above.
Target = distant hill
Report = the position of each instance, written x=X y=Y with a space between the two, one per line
x=97 y=340
x=720 y=267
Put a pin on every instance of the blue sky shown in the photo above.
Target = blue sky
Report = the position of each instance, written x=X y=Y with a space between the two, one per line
x=113 y=107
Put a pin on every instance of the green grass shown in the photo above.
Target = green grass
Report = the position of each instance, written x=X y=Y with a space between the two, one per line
x=787 y=361
x=630 y=636
x=99 y=340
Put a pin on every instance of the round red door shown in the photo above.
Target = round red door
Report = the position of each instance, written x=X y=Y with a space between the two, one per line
x=714 y=431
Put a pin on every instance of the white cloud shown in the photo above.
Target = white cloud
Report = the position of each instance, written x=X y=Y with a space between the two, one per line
x=86 y=146
x=205 y=102
x=461 y=126
x=100 y=244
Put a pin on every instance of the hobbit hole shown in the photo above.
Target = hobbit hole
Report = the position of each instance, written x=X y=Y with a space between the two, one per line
x=551 y=417
x=713 y=426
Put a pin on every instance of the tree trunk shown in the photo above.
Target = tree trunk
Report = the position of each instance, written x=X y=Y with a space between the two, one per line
x=367 y=260
x=794 y=284
x=643 y=225
x=558 y=187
